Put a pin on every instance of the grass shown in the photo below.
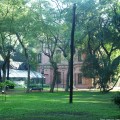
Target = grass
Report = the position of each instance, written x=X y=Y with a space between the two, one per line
x=55 y=106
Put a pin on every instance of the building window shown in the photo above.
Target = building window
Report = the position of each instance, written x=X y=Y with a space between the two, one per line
x=80 y=78
x=79 y=56
x=58 y=78
x=39 y=58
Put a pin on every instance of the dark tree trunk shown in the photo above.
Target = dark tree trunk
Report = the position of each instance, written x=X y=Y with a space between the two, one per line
x=54 y=81
x=68 y=78
x=27 y=59
x=55 y=69
x=28 y=80
x=0 y=76
x=72 y=54
x=4 y=71
x=8 y=65
x=94 y=83
x=28 y=68
x=4 y=74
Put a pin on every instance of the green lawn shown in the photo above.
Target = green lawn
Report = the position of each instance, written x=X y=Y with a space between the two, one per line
x=55 y=106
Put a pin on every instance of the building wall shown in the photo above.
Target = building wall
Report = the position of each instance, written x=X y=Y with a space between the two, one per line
x=79 y=81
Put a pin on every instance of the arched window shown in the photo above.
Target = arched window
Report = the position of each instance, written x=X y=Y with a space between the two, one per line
x=79 y=78
x=79 y=56
x=39 y=58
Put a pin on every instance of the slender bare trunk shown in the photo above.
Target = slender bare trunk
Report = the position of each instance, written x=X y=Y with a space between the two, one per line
x=68 y=78
x=54 y=81
x=54 y=65
x=27 y=59
x=28 y=80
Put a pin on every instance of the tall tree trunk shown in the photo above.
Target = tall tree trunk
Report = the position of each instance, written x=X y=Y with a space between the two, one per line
x=0 y=76
x=27 y=59
x=94 y=83
x=54 y=65
x=28 y=79
x=72 y=54
x=8 y=65
x=54 y=81
x=68 y=78
x=28 y=68
x=4 y=74
x=4 y=71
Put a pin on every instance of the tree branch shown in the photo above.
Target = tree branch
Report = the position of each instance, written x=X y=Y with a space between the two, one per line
x=102 y=45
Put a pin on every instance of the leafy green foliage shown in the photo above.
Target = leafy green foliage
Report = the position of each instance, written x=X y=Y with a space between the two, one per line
x=8 y=84
x=100 y=39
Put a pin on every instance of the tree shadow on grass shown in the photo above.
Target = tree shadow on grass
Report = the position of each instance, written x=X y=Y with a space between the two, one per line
x=61 y=116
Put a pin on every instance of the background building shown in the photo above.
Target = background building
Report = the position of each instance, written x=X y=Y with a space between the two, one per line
x=79 y=81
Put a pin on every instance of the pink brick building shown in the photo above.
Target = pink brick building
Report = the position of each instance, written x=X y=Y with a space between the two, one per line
x=79 y=81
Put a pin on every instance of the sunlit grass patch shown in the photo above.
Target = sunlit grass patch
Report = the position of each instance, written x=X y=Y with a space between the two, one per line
x=52 y=106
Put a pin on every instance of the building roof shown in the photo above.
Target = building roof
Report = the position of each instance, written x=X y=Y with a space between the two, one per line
x=19 y=70
x=23 y=74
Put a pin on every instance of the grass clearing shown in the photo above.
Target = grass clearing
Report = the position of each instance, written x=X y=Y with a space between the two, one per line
x=52 y=106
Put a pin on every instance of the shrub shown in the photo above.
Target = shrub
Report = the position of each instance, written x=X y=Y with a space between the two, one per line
x=116 y=99
x=10 y=84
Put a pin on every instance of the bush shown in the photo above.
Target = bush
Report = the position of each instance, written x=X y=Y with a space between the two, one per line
x=116 y=99
x=9 y=84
